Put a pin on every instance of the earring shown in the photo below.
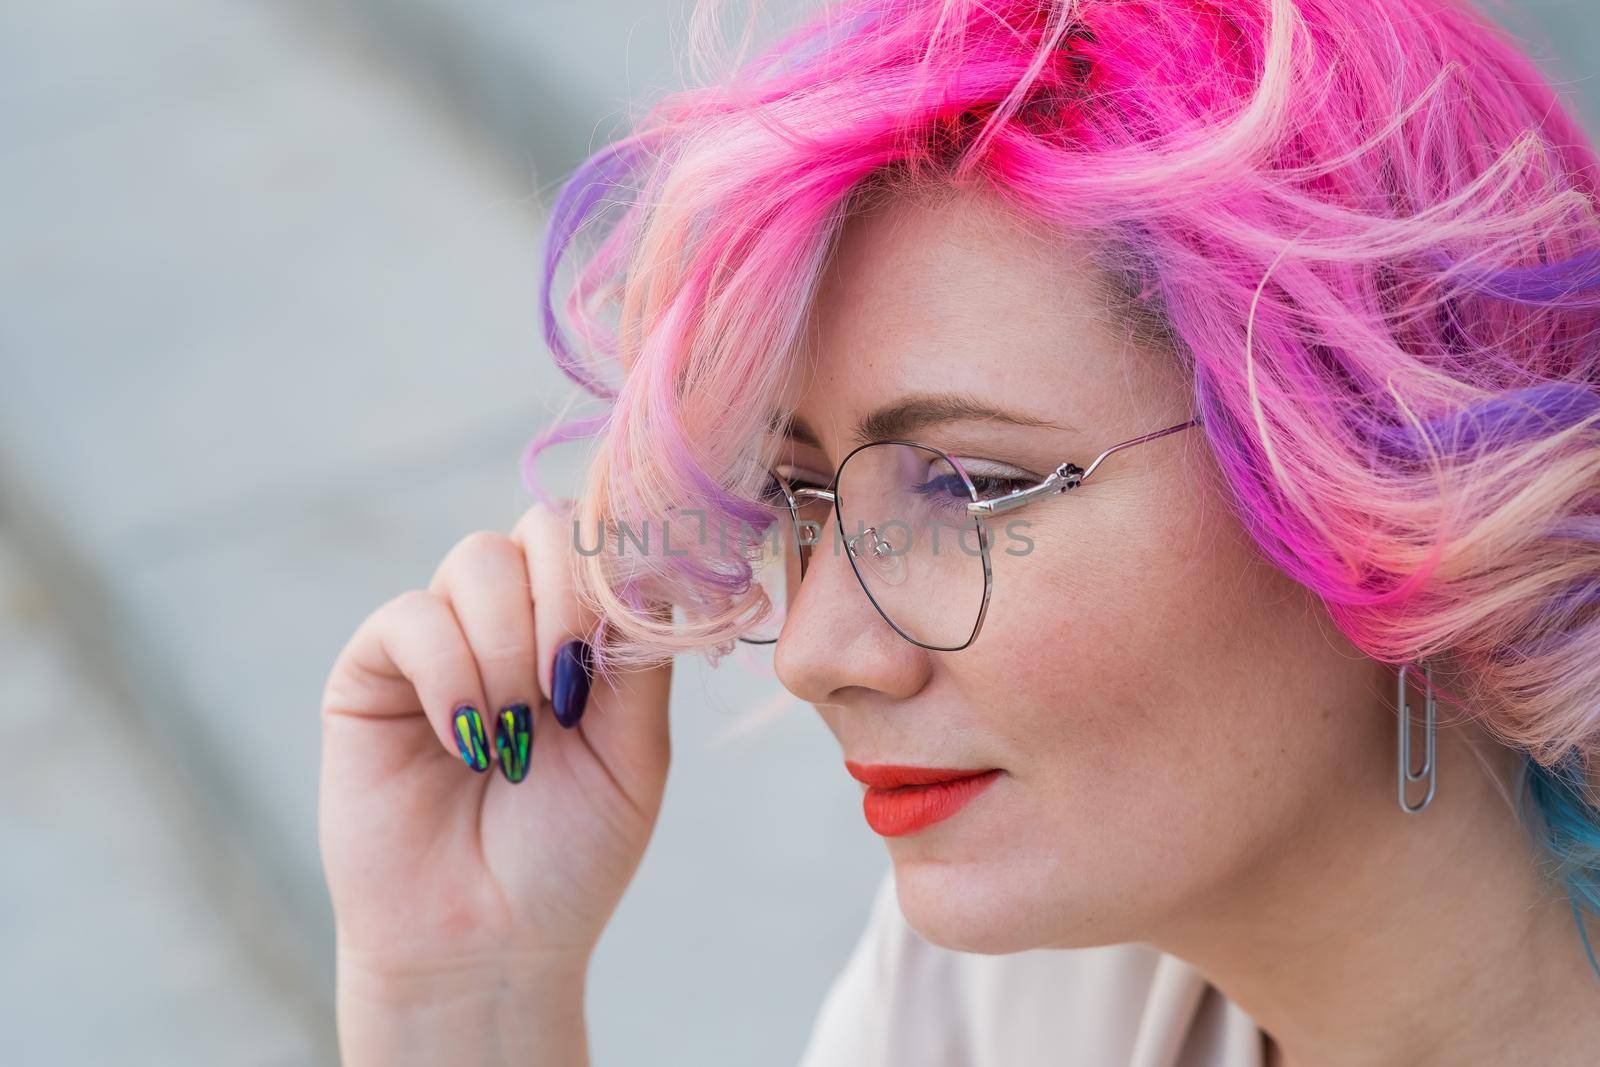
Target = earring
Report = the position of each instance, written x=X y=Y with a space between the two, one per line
x=1429 y=769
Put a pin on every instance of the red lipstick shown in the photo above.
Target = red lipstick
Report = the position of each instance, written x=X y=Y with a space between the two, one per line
x=902 y=800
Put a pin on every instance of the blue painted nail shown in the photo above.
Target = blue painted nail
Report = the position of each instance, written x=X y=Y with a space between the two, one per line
x=569 y=681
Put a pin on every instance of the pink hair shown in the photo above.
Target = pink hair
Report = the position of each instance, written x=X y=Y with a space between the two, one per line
x=1368 y=227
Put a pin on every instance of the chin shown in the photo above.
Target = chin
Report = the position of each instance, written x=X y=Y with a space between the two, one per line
x=971 y=909
x=994 y=909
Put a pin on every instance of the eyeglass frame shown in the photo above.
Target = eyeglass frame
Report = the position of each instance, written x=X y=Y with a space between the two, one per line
x=1066 y=476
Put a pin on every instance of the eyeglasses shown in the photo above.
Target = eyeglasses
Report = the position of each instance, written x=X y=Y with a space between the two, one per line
x=912 y=521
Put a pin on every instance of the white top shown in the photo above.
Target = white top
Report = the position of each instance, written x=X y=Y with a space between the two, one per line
x=902 y=1001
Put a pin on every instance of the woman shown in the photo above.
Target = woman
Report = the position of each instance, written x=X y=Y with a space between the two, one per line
x=1243 y=354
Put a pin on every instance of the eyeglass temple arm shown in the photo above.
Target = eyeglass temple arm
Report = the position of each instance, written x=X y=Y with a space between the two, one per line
x=1067 y=476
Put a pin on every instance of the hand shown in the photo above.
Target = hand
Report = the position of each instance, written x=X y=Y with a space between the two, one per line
x=450 y=863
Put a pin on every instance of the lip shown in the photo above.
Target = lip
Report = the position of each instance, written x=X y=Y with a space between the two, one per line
x=901 y=799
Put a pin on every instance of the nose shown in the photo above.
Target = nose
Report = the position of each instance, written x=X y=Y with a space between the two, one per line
x=835 y=647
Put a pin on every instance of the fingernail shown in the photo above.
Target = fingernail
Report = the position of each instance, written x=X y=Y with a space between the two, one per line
x=471 y=738
x=569 y=683
x=513 y=738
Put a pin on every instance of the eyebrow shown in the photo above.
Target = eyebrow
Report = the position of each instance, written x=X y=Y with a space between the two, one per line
x=918 y=411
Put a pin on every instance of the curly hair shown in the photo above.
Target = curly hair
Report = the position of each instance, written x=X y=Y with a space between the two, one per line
x=1366 y=228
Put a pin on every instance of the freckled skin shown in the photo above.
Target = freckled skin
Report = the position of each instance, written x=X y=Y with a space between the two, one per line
x=1143 y=676
x=1195 y=758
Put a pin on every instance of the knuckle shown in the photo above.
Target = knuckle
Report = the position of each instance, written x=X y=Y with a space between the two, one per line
x=541 y=520
x=488 y=545
x=408 y=603
x=337 y=696
x=483 y=555
x=506 y=656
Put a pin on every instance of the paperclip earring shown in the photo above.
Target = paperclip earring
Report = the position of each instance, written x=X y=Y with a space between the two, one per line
x=1429 y=771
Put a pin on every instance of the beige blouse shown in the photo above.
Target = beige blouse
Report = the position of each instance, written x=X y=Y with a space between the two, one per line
x=903 y=1002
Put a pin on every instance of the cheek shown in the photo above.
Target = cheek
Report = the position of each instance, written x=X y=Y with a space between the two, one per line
x=1162 y=704
x=1092 y=638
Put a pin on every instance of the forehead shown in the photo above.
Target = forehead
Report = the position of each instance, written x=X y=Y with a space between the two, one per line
x=949 y=289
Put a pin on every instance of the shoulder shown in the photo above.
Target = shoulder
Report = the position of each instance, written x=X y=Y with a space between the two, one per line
x=900 y=999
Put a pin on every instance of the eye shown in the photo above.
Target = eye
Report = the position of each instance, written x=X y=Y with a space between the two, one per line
x=773 y=492
x=805 y=483
x=943 y=484
x=990 y=486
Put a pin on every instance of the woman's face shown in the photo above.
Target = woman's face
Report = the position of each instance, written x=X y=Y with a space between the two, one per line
x=1176 y=721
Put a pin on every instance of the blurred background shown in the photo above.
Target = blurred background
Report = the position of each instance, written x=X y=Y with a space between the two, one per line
x=269 y=348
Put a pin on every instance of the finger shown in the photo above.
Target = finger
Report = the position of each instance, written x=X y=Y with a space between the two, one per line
x=562 y=623
x=412 y=646
x=484 y=578
x=627 y=726
x=627 y=719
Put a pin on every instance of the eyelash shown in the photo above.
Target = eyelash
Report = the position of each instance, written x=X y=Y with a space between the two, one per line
x=987 y=485
x=1001 y=484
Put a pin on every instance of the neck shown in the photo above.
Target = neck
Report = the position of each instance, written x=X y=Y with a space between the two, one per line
x=1380 y=937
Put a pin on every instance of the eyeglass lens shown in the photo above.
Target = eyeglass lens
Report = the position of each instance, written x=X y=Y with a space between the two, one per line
x=903 y=527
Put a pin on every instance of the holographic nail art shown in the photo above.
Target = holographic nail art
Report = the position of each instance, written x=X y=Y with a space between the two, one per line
x=471 y=738
x=514 y=741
